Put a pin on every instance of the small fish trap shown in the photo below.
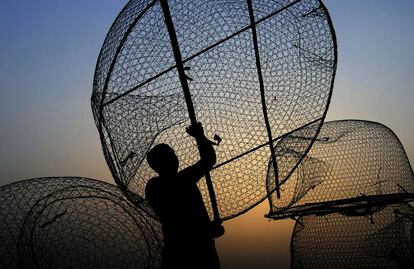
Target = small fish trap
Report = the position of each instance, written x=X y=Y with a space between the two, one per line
x=353 y=167
x=383 y=240
x=16 y=200
x=72 y=222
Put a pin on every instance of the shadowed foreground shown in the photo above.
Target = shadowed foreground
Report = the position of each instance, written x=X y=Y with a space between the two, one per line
x=381 y=240
x=72 y=222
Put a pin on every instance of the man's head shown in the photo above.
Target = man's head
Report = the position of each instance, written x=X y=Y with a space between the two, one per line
x=162 y=159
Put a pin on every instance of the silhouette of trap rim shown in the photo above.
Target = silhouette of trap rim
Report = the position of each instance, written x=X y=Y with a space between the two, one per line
x=357 y=206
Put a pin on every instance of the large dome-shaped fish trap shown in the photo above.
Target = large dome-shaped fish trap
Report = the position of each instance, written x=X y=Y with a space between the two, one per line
x=384 y=240
x=250 y=71
x=72 y=222
x=353 y=167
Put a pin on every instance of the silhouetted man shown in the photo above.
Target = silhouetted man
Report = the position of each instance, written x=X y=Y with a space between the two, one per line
x=174 y=196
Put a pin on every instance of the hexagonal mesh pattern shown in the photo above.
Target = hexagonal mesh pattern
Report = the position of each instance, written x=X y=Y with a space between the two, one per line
x=72 y=222
x=138 y=101
x=383 y=240
x=352 y=164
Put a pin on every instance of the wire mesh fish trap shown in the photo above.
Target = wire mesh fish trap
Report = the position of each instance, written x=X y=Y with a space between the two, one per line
x=138 y=97
x=72 y=222
x=384 y=240
x=16 y=200
x=353 y=166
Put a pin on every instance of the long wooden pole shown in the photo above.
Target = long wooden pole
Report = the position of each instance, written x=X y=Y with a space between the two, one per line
x=187 y=94
x=262 y=94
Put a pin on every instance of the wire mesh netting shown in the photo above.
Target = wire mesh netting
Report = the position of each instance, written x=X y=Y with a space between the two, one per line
x=72 y=222
x=138 y=102
x=382 y=240
x=353 y=166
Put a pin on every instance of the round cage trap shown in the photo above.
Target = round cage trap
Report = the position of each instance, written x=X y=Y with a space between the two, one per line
x=249 y=71
x=383 y=240
x=72 y=222
x=353 y=167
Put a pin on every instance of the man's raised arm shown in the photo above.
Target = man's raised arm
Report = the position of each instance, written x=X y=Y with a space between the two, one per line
x=207 y=153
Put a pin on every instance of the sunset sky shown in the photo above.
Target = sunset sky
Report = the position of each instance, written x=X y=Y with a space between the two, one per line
x=48 y=52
